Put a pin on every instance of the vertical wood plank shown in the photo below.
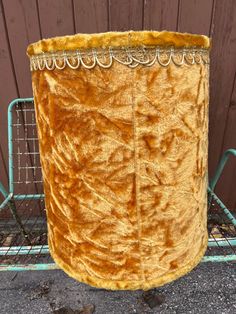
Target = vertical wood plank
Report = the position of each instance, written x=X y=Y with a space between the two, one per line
x=56 y=18
x=223 y=65
x=23 y=28
x=195 y=16
x=8 y=91
x=160 y=15
x=226 y=187
x=125 y=15
x=91 y=16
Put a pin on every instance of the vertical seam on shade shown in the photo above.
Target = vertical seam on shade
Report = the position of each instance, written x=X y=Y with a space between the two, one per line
x=207 y=102
x=205 y=135
x=136 y=171
x=199 y=121
x=207 y=85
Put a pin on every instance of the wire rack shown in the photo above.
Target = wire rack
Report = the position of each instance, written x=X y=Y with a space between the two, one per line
x=221 y=226
x=23 y=225
x=25 y=146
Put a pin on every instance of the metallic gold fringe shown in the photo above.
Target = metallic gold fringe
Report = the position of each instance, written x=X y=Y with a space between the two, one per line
x=129 y=56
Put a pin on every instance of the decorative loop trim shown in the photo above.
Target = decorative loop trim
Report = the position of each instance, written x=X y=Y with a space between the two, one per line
x=132 y=57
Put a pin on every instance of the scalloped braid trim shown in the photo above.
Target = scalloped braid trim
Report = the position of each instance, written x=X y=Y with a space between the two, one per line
x=132 y=57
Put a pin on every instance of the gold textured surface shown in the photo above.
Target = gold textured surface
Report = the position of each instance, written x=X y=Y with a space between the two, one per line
x=124 y=160
x=129 y=38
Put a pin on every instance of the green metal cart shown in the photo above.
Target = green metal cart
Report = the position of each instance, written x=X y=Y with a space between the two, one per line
x=23 y=227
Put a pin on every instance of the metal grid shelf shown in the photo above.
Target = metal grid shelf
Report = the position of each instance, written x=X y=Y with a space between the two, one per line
x=23 y=226
x=25 y=243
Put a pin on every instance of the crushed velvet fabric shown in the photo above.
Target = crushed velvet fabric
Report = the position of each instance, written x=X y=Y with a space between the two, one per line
x=124 y=160
x=117 y=39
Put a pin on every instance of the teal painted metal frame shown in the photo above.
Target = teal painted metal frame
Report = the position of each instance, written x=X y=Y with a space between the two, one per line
x=44 y=248
x=10 y=158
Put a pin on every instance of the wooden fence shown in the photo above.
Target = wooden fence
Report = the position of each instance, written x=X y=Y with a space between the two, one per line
x=26 y=21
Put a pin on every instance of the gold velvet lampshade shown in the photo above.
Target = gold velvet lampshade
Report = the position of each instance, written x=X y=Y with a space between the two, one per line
x=122 y=121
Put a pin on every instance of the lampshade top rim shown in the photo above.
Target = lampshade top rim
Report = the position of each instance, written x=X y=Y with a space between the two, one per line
x=115 y=39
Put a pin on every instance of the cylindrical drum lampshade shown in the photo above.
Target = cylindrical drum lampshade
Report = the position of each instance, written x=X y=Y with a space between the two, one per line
x=122 y=121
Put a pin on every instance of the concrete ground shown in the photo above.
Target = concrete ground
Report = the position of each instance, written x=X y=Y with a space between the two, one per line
x=209 y=288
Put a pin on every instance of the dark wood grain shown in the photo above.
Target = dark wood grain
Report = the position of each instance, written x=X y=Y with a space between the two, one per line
x=91 y=16
x=56 y=18
x=23 y=28
x=223 y=65
x=8 y=91
x=226 y=186
x=160 y=15
x=125 y=15
x=195 y=16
